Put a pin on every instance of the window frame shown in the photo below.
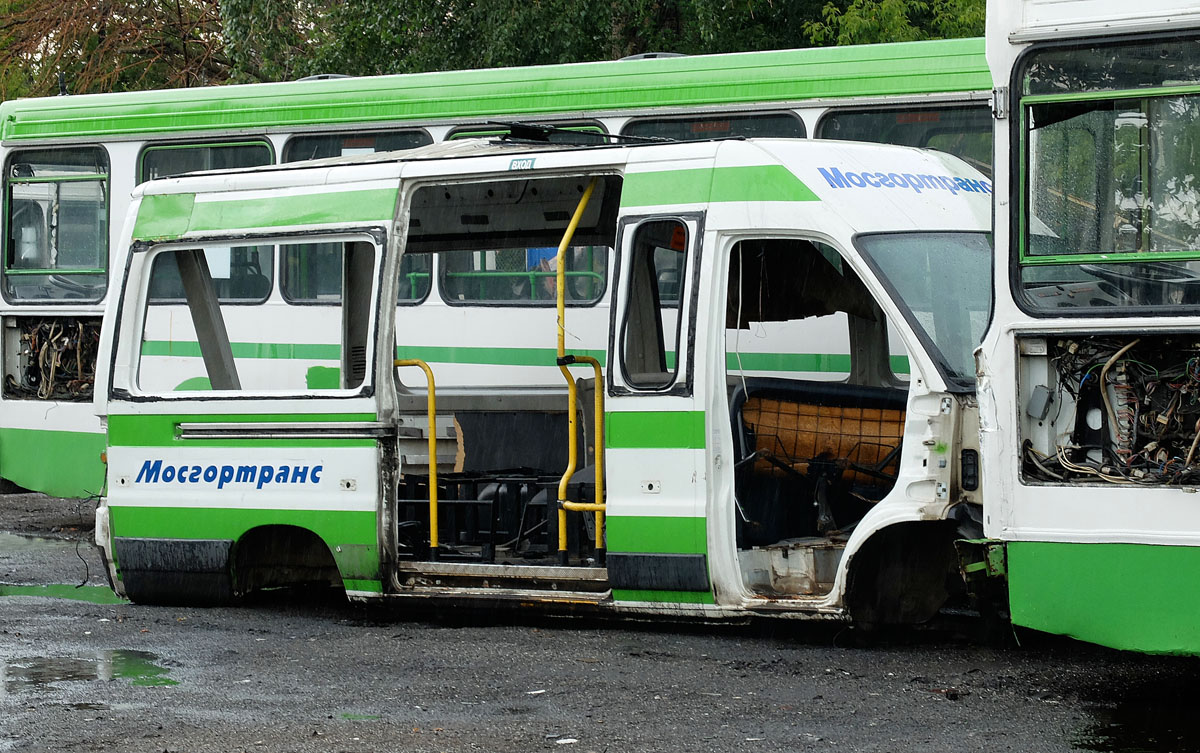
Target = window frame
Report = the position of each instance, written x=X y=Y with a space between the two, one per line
x=1019 y=183
x=148 y=251
x=7 y=271
x=163 y=146
x=683 y=380
x=293 y=137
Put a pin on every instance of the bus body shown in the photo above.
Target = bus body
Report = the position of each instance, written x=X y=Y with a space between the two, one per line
x=663 y=482
x=71 y=163
x=1088 y=375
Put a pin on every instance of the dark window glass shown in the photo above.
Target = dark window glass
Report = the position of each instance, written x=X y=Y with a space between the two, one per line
x=719 y=125
x=320 y=146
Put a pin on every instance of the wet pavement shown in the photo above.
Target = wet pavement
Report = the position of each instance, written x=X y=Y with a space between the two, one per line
x=81 y=670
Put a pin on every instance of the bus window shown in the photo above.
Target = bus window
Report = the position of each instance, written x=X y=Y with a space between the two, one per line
x=720 y=125
x=241 y=274
x=522 y=275
x=964 y=131
x=56 y=247
x=312 y=273
x=650 y=332
x=165 y=161
x=202 y=346
x=1111 y=215
x=572 y=133
x=321 y=145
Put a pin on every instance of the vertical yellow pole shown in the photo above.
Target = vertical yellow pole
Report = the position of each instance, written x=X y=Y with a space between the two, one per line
x=431 y=411
x=560 y=283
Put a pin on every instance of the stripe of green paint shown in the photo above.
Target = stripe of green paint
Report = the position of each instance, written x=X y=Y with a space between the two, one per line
x=35 y=459
x=833 y=362
x=654 y=429
x=720 y=184
x=368 y=586
x=353 y=532
x=299 y=351
x=490 y=356
x=1127 y=596
x=336 y=207
x=665 y=597
x=163 y=216
x=152 y=430
x=657 y=535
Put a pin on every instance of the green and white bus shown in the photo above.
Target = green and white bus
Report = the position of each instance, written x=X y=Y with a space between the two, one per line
x=665 y=481
x=1090 y=373
x=71 y=163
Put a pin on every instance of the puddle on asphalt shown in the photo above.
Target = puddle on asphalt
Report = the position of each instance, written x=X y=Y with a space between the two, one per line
x=1152 y=718
x=11 y=542
x=135 y=667
x=91 y=594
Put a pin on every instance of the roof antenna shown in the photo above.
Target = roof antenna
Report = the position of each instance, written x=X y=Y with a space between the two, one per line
x=62 y=84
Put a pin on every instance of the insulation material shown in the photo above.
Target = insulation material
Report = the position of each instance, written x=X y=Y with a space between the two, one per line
x=801 y=433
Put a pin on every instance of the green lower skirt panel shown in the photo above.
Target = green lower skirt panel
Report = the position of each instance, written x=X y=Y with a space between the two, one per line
x=1135 y=597
x=58 y=463
x=351 y=535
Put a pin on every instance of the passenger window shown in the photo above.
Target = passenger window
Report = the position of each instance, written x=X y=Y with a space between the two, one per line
x=312 y=273
x=721 y=125
x=56 y=244
x=964 y=131
x=176 y=159
x=240 y=274
x=526 y=275
x=322 y=145
x=655 y=279
x=212 y=343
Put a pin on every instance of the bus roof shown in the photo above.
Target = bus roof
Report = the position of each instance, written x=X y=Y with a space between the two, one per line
x=894 y=70
x=874 y=188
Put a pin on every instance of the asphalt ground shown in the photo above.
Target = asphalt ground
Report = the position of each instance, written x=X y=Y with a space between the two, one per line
x=81 y=673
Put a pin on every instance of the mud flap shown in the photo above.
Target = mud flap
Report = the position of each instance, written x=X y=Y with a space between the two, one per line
x=176 y=571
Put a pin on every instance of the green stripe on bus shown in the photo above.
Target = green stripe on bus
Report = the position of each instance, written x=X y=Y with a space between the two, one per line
x=665 y=597
x=353 y=532
x=301 y=351
x=151 y=430
x=491 y=356
x=654 y=429
x=1127 y=596
x=162 y=217
x=755 y=183
x=27 y=458
x=652 y=534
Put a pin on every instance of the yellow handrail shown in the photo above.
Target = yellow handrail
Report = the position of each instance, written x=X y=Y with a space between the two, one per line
x=431 y=409
x=597 y=506
x=560 y=281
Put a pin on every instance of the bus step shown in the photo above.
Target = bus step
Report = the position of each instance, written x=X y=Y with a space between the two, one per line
x=457 y=576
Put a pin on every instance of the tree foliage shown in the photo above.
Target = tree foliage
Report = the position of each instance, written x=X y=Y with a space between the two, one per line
x=870 y=21
x=112 y=45
x=108 y=45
